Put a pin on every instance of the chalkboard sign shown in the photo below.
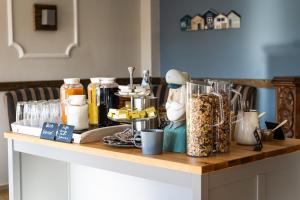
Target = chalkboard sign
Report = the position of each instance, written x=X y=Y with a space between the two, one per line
x=49 y=131
x=64 y=133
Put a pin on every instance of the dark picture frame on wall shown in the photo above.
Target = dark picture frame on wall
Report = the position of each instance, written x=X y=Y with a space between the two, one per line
x=45 y=17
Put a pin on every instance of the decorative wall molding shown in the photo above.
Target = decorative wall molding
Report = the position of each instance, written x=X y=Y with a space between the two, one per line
x=21 y=51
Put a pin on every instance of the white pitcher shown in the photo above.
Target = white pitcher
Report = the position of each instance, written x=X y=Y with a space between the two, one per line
x=244 y=128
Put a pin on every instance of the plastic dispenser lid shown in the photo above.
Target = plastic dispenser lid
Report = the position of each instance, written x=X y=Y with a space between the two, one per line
x=107 y=80
x=77 y=100
x=96 y=80
x=72 y=80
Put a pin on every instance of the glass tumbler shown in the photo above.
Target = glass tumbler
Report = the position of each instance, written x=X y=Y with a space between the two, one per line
x=54 y=107
x=43 y=108
x=27 y=113
x=20 y=112
x=34 y=114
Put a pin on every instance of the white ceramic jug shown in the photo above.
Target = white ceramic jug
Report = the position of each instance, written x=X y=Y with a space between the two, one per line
x=244 y=128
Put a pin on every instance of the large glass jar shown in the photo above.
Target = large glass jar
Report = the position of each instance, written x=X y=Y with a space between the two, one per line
x=94 y=101
x=70 y=87
x=222 y=133
x=77 y=112
x=108 y=100
x=200 y=110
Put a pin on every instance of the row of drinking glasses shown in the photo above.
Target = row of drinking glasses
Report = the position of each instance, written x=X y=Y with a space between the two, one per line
x=35 y=113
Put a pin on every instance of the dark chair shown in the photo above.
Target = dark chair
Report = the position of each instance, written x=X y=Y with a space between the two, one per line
x=28 y=94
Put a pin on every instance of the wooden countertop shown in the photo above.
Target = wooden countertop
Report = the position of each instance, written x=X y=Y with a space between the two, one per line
x=180 y=162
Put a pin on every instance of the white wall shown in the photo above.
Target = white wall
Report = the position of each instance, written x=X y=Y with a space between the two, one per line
x=150 y=36
x=110 y=40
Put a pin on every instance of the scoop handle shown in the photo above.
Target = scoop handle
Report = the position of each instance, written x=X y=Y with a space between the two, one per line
x=261 y=114
x=279 y=125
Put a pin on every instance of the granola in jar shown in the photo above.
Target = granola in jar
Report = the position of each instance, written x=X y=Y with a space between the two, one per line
x=199 y=125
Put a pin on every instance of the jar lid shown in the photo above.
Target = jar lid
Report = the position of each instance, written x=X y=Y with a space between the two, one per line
x=96 y=80
x=72 y=80
x=77 y=100
x=107 y=80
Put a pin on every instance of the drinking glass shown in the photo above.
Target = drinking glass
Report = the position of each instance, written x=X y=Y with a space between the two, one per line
x=27 y=113
x=20 y=112
x=44 y=111
x=54 y=106
x=34 y=114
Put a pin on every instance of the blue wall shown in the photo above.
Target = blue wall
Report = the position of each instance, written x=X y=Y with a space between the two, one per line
x=267 y=45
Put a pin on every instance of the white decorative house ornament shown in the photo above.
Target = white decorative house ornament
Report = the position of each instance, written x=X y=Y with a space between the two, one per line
x=221 y=22
x=234 y=19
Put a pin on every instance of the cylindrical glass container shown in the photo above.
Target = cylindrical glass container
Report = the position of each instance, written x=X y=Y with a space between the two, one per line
x=70 y=87
x=94 y=101
x=222 y=133
x=20 y=112
x=77 y=112
x=200 y=109
x=108 y=100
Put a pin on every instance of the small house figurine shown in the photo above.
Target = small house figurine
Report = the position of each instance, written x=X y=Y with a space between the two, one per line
x=234 y=19
x=185 y=23
x=221 y=22
x=209 y=17
x=198 y=23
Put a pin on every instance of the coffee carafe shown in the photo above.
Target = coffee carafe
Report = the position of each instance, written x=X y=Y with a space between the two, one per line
x=201 y=110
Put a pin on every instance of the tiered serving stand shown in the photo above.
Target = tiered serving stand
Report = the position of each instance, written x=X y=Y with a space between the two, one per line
x=132 y=95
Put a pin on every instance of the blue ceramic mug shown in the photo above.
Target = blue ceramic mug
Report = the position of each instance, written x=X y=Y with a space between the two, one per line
x=151 y=141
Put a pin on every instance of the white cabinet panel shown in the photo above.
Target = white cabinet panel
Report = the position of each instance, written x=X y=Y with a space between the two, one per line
x=240 y=190
x=283 y=184
x=91 y=183
x=43 y=179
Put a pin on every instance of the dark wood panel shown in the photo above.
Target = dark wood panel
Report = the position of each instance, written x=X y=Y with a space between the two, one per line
x=286 y=81
x=288 y=104
x=258 y=83
x=6 y=86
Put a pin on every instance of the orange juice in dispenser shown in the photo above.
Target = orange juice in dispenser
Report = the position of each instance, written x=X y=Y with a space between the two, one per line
x=71 y=86
x=94 y=101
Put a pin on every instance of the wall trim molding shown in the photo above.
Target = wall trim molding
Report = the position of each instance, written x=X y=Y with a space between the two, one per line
x=21 y=51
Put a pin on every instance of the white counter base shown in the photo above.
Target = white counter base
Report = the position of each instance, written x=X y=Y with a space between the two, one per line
x=39 y=172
